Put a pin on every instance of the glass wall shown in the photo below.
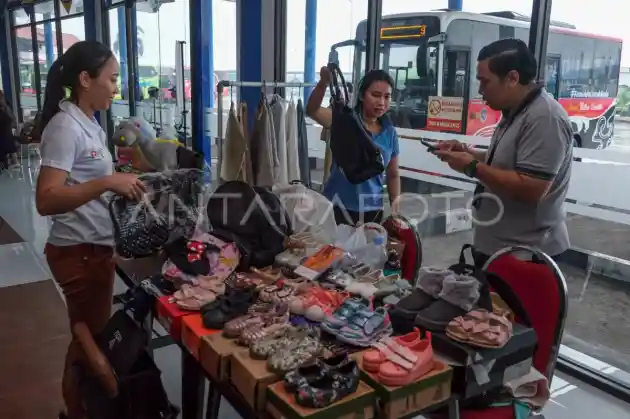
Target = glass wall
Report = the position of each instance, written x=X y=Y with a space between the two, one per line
x=55 y=30
x=158 y=33
x=345 y=15
x=583 y=70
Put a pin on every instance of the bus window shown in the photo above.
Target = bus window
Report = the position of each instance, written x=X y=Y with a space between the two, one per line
x=551 y=76
x=414 y=70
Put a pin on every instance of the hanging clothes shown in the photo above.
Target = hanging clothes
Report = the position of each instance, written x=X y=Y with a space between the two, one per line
x=243 y=115
x=262 y=147
x=278 y=110
x=293 y=155
x=325 y=137
x=305 y=166
x=235 y=147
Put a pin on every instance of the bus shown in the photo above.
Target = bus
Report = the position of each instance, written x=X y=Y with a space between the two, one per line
x=432 y=58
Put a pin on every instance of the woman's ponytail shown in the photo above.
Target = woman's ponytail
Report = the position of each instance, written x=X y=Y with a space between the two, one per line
x=55 y=93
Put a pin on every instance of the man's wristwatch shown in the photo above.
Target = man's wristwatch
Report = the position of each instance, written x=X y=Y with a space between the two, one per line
x=471 y=168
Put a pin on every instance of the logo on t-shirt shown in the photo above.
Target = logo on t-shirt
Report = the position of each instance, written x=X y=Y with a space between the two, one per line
x=97 y=154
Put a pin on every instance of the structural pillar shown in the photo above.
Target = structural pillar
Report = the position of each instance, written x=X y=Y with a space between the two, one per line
x=133 y=34
x=6 y=62
x=122 y=52
x=310 y=43
x=539 y=34
x=49 y=41
x=456 y=5
x=255 y=48
x=202 y=75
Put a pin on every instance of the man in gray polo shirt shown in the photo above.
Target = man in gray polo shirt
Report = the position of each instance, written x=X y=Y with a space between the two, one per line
x=524 y=176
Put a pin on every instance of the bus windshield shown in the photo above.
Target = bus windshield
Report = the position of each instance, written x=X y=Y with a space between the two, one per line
x=411 y=58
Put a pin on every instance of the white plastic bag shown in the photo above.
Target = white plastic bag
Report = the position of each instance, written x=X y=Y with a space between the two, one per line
x=353 y=239
x=308 y=211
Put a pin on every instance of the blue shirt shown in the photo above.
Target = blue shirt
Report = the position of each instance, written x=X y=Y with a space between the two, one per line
x=368 y=195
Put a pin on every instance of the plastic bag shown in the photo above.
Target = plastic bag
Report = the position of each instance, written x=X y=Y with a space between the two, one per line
x=353 y=239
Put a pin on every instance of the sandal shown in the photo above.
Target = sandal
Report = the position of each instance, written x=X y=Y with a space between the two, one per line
x=298 y=353
x=341 y=316
x=405 y=365
x=480 y=328
x=365 y=327
x=279 y=338
x=332 y=387
x=193 y=298
x=235 y=327
x=373 y=358
x=280 y=292
x=307 y=374
x=233 y=304
x=268 y=325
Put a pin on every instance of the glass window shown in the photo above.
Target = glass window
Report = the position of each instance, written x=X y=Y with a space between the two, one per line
x=347 y=16
x=44 y=11
x=118 y=44
x=26 y=70
x=159 y=30
x=589 y=76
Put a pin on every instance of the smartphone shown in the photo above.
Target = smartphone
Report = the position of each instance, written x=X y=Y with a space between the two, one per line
x=430 y=147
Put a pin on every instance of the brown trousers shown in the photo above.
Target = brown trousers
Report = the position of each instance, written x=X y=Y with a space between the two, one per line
x=85 y=273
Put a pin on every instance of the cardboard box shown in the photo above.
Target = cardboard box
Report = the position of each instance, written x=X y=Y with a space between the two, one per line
x=358 y=405
x=192 y=332
x=170 y=317
x=430 y=390
x=215 y=355
x=251 y=378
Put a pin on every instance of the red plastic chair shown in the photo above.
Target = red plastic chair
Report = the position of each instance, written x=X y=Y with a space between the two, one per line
x=542 y=289
x=402 y=229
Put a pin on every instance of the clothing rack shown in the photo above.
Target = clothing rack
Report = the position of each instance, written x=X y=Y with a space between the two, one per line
x=229 y=84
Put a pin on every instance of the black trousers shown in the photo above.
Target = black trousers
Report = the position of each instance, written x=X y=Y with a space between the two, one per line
x=353 y=218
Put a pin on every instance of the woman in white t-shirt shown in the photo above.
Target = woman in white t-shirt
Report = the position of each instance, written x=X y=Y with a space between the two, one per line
x=74 y=182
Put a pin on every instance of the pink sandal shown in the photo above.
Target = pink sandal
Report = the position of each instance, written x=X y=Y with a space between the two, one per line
x=373 y=358
x=405 y=365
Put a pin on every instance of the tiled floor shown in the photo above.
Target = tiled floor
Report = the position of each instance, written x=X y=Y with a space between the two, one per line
x=24 y=262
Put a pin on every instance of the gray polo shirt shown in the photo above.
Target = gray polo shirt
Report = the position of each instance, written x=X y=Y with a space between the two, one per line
x=76 y=144
x=537 y=140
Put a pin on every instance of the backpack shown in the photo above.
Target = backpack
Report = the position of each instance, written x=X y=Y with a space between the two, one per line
x=253 y=218
x=351 y=144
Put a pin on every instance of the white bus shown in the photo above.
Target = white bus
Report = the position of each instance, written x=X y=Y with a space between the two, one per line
x=432 y=58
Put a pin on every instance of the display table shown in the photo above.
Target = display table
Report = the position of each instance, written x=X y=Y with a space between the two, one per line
x=179 y=323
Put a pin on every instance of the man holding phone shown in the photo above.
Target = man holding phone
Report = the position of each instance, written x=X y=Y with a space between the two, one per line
x=524 y=176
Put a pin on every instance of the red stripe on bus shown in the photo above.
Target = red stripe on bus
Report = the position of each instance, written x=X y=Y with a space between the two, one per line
x=585 y=34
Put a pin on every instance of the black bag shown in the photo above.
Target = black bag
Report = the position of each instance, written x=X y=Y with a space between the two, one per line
x=252 y=218
x=351 y=144
x=170 y=211
x=141 y=394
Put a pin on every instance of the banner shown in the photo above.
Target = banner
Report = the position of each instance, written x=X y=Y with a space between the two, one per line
x=445 y=113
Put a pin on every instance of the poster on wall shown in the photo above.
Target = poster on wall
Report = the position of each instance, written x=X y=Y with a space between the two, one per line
x=445 y=113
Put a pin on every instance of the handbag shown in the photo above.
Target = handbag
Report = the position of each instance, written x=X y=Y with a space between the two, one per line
x=351 y=144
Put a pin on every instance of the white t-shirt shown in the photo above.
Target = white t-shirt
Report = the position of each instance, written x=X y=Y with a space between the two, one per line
x=78 y=145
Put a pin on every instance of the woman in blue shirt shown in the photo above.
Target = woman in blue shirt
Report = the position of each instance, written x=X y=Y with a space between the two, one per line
x=362 y=203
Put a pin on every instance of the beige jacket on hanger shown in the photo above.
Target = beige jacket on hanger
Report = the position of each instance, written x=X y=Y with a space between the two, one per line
x=243 y=118
x=293 y=155
x=262 y=149
x=235 y=146
x=278 y=110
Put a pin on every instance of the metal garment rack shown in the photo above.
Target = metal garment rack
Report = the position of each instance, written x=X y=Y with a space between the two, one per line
x=229 y=84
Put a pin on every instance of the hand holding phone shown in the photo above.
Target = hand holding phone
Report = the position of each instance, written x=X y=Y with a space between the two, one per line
x=430 y=147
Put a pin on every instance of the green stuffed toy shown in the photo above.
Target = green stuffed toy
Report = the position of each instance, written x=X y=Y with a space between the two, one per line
x=159 y=153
